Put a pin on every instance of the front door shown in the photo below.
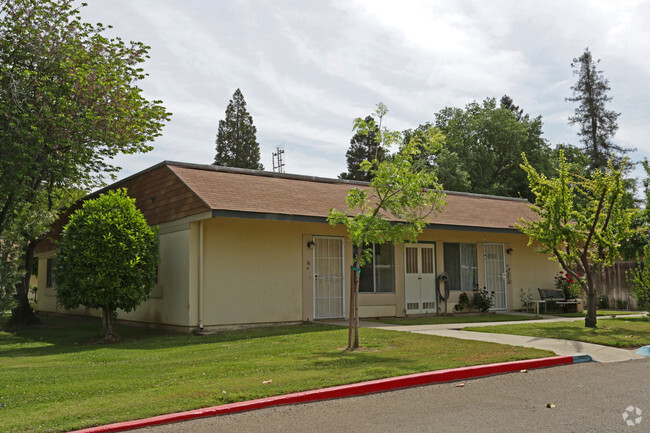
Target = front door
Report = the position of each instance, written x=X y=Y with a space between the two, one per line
x=420 y=278
x=495 y=273
x=328 y=277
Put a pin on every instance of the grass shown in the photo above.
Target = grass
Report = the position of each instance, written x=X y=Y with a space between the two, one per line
x=600 y=313
x=462 y=318
x=630 y=332
x=54 y=378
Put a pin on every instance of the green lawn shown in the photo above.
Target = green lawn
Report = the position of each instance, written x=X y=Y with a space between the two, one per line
x=54 y=378
x=461 y=318
x=600 y=313
x=627 y=332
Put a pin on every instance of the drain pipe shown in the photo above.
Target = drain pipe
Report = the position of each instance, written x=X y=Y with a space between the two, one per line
x=201 y=275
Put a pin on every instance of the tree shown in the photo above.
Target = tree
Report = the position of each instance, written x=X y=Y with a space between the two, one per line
x=107 y=258
x=363 y=147
x=581 y=222
x=69 y=102
x=394 y=208
x=484 y=142
x=236 y=142
x=507 y=103
x=597 y=124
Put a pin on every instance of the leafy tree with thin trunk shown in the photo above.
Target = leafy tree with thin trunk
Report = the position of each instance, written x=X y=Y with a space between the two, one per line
x=237 y=145
x=394 y=208
x=597 y=124
x=581 y=222
x=107 y=258
x=363 y=147
x=69 y=102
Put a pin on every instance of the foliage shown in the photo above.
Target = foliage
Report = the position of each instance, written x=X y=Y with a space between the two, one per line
x=569 y=286
x=526 y=298
x=603 y=301
x=507 y=102
x=364 y=147
x=640 y=279
x=597 y=124
x=482 y=300
x=72 y=384
x=107 y=258
x=484 y=144
x=580 y=222
x=237 y=144
x=634 y=246
x=397 y=204
x=69 y=102
x=463 y=302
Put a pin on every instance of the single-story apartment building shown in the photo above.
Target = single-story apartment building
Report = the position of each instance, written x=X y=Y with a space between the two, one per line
x=244 y=247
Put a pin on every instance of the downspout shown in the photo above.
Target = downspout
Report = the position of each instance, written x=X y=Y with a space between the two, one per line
x=200 y=275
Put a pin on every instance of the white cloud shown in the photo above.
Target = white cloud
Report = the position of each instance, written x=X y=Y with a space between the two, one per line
x=307 y=69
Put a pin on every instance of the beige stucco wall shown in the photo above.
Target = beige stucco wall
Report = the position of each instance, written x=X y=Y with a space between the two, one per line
x=257 y=271
x=218 y=272
x=525 y=268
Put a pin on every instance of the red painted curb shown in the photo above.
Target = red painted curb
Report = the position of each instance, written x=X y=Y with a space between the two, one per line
x=350 y=390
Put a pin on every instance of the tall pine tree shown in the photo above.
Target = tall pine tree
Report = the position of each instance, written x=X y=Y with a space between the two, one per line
x=237 y=145
x=597 y=124
x=363 y=147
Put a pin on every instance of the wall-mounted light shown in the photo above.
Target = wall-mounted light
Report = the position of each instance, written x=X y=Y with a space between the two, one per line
x=509 y=251
x=311 y=244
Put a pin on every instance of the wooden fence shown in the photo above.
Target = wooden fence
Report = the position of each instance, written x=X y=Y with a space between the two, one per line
x=613 y=282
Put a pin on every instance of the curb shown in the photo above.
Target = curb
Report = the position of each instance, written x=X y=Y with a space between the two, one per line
x=354 y=389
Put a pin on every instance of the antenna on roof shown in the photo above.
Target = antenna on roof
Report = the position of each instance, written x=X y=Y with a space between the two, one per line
x=278 y=164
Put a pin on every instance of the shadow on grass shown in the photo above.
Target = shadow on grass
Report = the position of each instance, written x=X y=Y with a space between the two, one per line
x=73 y=334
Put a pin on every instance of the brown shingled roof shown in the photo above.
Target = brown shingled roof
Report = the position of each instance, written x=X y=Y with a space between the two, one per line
x=237 y=192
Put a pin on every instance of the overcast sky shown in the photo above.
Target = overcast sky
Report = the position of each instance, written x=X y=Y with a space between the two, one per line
x=308 y=68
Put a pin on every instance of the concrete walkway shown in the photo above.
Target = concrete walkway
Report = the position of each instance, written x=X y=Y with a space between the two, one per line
x=560 y=347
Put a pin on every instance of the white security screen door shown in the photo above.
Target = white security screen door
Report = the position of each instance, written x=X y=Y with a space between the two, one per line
x=328 y=278
x=495 y=273
x=420 y=278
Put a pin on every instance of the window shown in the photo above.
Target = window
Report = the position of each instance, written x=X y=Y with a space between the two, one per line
x=49 y=275
x=378 y=276
x=460 y=265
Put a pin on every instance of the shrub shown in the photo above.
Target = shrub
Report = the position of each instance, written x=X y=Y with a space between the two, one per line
x=107 y=258
x=568 y=285
x=640 y=279
x=603 y=302
x=482 y=300
x=463 y=302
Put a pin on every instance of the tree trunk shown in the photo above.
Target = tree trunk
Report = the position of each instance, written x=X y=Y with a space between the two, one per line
x=108 y=325
x=590 y=320
x=353 y=329
x=22 y=314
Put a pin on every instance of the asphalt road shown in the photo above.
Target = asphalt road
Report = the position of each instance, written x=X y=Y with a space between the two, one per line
x=589 y=397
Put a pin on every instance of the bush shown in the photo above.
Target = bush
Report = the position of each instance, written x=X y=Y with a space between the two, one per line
x=603 y=302
x=107 y=258
x=463 y=302
x=640 y=279
x=481 y=300
x=570 y=287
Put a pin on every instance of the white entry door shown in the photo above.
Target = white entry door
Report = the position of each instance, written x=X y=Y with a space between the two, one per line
x=495 y=273
x=420 y=278
x=328 y=278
